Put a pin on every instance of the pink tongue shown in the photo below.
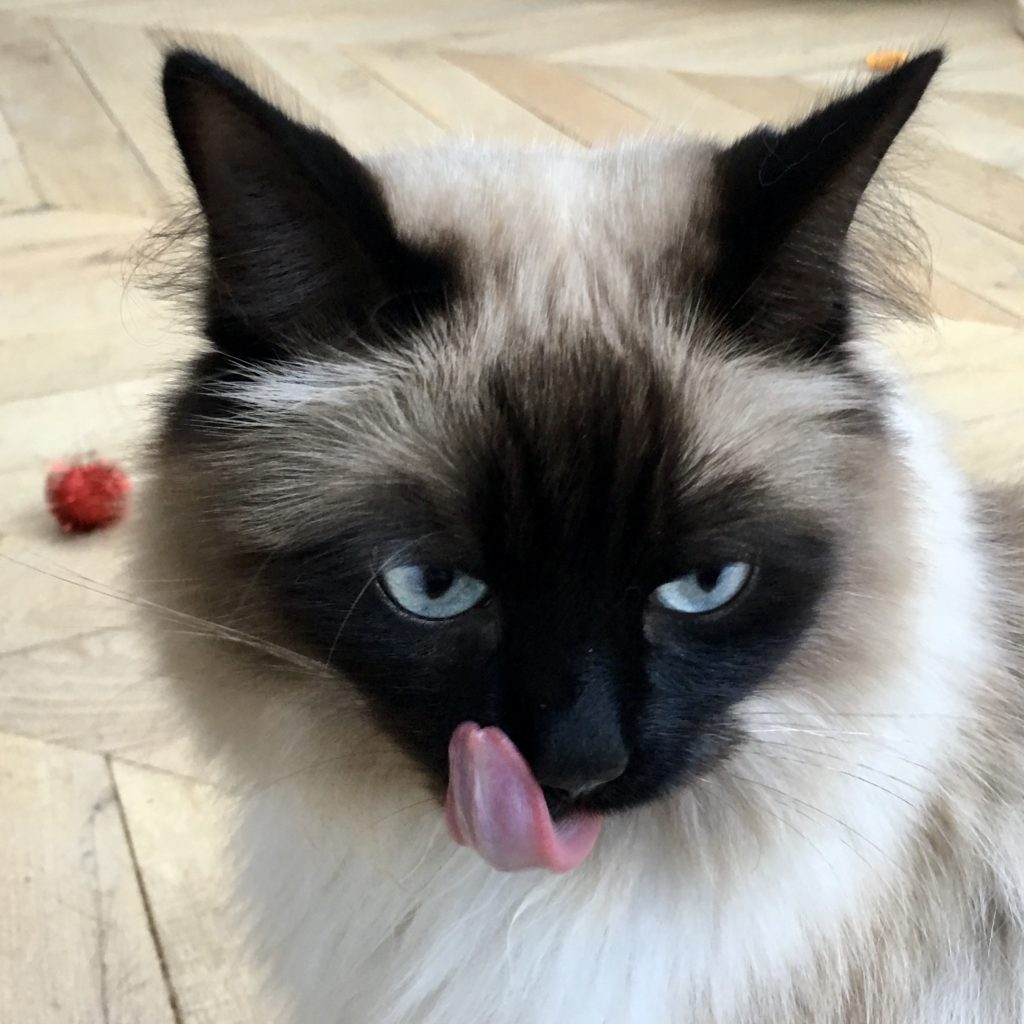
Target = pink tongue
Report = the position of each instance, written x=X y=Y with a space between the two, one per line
x=496 y=806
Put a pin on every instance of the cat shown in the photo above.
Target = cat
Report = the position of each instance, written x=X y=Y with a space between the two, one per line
x=596 y=628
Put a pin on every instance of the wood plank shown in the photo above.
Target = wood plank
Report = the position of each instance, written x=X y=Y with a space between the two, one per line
x=28 y=230
x=106 y=327
x=388 y=24
x=88 y=275
x=777 y=99
x=958 y=349
x=978 y=395
x=75 y=947
x=382 y=23
x=557 y=96
x=972 y=376
x=981 y=191
x=109 y=351
x=1000 y=106
x=17 y=191
x=97 y=692
x=787 y=38
x=988 y=137
x=721 y=49
x=59 y=585
x=123 y=62
x=179 y=831
x=670 y=101
x=957 y=303
x=552 y=28
x=452 y=97
x=107 y=419
x=196 y=14
x=364 y=114
x=972 y=255
x=53 y=115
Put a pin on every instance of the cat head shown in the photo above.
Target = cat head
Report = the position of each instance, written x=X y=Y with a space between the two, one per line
x=581 y=445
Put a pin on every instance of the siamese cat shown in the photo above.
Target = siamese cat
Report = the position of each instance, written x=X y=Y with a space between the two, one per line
x=597 y=629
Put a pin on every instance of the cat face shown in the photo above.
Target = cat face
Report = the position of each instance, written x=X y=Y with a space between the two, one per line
x=580 y=446
x=577 y=570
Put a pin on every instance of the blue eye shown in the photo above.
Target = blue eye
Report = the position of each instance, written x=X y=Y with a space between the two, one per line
x=705 y=590
x=431 y=592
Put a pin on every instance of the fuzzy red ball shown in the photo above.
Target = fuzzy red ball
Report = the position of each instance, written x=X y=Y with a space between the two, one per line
x=87 y=496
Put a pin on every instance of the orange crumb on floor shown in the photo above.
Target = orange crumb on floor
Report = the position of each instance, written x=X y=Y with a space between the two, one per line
x=886 y=60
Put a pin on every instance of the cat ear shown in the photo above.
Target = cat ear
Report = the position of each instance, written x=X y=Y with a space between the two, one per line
x=300 y=242
x=787 y=199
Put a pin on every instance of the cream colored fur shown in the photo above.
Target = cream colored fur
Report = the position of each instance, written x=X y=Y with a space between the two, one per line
x=729 y=903
x=859 y=860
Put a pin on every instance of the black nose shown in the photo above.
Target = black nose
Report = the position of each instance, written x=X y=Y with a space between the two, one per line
x=571 y=730
x=579 y=777
x=580 y=749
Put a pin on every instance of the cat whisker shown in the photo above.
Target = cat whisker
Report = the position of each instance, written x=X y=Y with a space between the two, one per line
x=374 y=576
x=402 y=810
x=798 y=802
x=368 y=758
x=836 y=757
x=762 y=809
x=206 y=627
x=845 y=773
x=867 y=715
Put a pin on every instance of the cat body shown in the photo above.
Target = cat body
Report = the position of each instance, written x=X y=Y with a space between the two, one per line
x=543 y=368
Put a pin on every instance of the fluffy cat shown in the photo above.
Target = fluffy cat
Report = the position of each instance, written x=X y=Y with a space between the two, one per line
x=573 y=490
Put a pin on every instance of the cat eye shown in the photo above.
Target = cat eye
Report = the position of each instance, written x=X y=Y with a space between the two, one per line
x=706 y=589
x=432 y=592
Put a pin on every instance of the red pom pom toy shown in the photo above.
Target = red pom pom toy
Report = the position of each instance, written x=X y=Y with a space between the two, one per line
x=87 y=496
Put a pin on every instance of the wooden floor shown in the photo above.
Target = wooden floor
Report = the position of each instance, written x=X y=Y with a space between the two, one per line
x=113 y=883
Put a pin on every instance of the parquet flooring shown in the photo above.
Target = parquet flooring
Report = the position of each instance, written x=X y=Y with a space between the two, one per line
x=113 y=879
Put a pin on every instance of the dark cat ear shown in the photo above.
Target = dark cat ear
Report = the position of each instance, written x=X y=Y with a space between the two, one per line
x=787 y=199
x=300 y=241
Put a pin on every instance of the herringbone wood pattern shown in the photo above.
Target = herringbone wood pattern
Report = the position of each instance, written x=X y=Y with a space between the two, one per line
x=112 y=878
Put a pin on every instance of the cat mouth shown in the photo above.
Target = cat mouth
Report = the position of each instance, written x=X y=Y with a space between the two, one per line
x=496 y=806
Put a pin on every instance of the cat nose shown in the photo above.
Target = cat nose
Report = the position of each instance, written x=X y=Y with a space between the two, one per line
x=573 y=738
x=580 y=749
x=578 y=779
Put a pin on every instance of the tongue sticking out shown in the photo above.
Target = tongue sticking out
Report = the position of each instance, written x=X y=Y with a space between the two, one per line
x=496 y=806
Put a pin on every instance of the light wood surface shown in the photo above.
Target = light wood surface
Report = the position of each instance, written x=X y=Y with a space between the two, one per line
x=114 y=881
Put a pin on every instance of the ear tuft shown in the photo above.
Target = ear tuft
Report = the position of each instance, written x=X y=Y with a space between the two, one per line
x=300 y=243
x=194 y=87
x=787 y=199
